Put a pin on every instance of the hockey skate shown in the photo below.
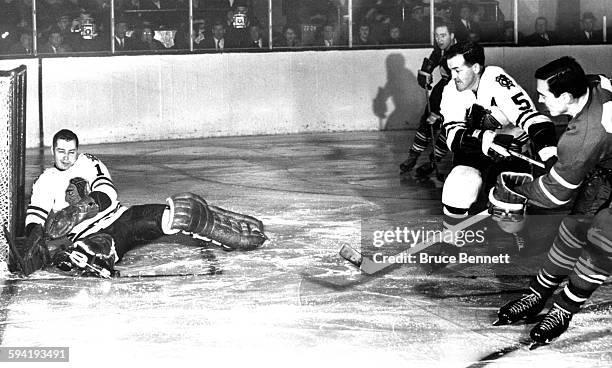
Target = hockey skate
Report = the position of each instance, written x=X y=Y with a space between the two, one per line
x=424 y=170
x=527 y=306
x=552 y=326
x=409 y=164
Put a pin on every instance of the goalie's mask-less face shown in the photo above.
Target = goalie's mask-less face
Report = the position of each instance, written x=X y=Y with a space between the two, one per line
x=65 y=154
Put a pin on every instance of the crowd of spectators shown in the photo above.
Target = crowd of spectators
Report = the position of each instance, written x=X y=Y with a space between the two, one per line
x=65 y=26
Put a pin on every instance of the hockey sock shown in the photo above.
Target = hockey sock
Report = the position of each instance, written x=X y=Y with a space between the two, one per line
x=440 y=147
x=592 y=269
x=561 y=257
x=453 y=216
x=421 y=141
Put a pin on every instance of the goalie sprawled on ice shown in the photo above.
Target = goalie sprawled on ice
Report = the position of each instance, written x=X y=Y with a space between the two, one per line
x=76 y=200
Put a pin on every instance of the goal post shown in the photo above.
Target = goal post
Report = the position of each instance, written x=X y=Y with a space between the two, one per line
x=12 y=155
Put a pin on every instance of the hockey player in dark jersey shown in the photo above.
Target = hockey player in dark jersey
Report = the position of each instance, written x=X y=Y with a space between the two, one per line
x=486 y=113
x=77 y=200
x=430 y=120
x=582 y=249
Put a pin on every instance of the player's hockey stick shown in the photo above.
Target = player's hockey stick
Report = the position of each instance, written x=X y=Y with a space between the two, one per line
x=526 y=158
x=368 y=266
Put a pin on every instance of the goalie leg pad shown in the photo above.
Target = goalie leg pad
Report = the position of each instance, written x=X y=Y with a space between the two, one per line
x=507 y=206
x=190 y=213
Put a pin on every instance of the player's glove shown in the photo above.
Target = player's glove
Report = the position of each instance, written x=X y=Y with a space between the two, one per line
x=424 y=76
x=231 y=230
x=93 y=256
x=506 y=205
x=28 y=254
x=489 y=119
x=497 y=146
x=63 y=221
x=434 y=119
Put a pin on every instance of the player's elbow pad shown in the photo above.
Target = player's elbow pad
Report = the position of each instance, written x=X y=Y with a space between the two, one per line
x=102 y=199
x=543 y=135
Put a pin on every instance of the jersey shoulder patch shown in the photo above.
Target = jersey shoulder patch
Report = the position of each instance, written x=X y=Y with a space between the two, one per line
x=91 y=157
x=504 y=81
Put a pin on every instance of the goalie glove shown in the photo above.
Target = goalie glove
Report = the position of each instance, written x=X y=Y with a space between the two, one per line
x=29 y=254
x=506 y=206
x=63 y=221
x=94 y=255
x=190 y=213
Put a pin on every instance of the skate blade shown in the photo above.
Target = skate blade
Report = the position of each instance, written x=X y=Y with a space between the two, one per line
x=535 y=344
x=500 y=322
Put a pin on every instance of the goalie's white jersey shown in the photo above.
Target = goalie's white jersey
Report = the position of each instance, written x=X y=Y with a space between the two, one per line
x=49 y=194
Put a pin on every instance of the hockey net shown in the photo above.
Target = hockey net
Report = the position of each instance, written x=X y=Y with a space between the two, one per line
x=12 y=156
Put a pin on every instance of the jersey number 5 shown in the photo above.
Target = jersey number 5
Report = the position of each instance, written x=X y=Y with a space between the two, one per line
x=521 y=101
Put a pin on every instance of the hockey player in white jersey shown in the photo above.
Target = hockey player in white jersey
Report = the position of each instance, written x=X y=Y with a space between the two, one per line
x=76 y=200
x=486 y=113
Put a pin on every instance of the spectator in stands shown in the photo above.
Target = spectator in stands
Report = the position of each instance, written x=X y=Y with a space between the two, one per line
x=217 y=41
x=24 y=46
x=199 y=34
x=508 y=35
x=256 y=38
x=363 y=37
x=542 y=36
x=55 y=43
x=329 y=36
x=443 y=13
x=465 y=25
x=379 y=22
x=238 y=27
x=123 y=43
x=86 y=37
x=395 y=36
x=290 y=38
x=416 y=28
x=311 y=12
x=153 y=14
x=63 y=23
x=588 y=35
x=146 y=42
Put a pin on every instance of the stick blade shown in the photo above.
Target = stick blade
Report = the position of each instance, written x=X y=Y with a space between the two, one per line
x=366 y=265
x=351 y=255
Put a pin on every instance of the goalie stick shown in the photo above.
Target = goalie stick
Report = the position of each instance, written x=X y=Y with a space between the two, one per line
x=370 y=267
